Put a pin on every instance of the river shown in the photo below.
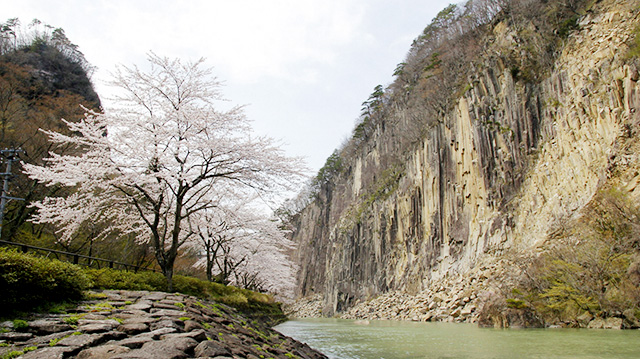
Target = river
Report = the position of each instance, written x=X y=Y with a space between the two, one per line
x=348 y=339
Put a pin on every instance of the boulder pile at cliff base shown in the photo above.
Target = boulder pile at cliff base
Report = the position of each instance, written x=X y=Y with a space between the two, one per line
x=455 y=299
x=141 y=324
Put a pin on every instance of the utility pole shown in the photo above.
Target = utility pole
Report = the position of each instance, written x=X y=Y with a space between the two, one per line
x=11 y=156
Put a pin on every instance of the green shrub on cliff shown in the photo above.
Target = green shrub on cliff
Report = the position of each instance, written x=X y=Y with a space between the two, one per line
x=592 y=265
x=28 y=281
x=382 y=189
x=634 y=47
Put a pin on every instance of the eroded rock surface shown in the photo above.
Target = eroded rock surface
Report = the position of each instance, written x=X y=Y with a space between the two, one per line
x=497 y=174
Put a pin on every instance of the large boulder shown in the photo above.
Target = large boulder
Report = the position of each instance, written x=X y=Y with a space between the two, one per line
x=606 y=323
x=523 y=318
x=496 y=314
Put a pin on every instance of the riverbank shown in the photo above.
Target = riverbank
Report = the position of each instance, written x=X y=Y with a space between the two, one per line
x=142 y=324
x=479 y=297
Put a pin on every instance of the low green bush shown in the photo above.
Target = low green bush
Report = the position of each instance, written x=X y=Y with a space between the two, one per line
x=28 y=281
x=592 y=265
x=192 y=286
x=108 y=278
x=235 y=300
x=220 y=290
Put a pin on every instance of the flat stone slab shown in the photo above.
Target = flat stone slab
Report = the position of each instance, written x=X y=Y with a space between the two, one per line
x=156 y=334
x=176 y=297
x=87 y=340
x=112 y=294
x=16 y=336
x=139 y=319
x=91 y=316
x=49 y=353
x=102 y=352
x=46 y=339
x=132 y=313
x=135 y=342
x=166 y=323
x=154 y=296
x=118 y=303
x=82 y=341
x=48 y=326
x=140 y=305
x=85 y=321
x=198 y=335
x=173 y=348
x=133 y=328
x=167 y=313
x=190 y=325
x=97 y=327
x=211 y=348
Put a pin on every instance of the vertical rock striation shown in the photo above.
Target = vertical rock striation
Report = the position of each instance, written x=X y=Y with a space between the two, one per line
x=498 y=172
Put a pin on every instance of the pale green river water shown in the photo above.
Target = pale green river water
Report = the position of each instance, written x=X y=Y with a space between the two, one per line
x=346 y=339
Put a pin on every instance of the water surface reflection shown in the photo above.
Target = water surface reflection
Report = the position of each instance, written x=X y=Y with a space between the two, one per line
x=348 y=339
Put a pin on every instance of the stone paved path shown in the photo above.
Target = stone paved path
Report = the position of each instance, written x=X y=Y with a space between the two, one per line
x=147 y=325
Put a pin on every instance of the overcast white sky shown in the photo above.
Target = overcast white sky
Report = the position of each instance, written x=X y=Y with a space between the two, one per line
x=302 y=67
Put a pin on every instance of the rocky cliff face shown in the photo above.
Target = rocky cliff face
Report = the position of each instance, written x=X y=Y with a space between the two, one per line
x=515 y=156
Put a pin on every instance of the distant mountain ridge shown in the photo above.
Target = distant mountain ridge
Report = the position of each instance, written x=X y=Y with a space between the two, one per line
x=44 y=78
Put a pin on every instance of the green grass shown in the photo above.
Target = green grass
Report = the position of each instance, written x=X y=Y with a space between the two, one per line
x=53 y=342
x=72 y=320
x=12 y=354
x=20 y=325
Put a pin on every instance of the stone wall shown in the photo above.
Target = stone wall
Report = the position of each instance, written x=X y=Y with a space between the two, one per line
x=140 y=324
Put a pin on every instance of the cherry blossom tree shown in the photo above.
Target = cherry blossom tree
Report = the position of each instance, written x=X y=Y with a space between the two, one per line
x=244 y=248
x=158 y=158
